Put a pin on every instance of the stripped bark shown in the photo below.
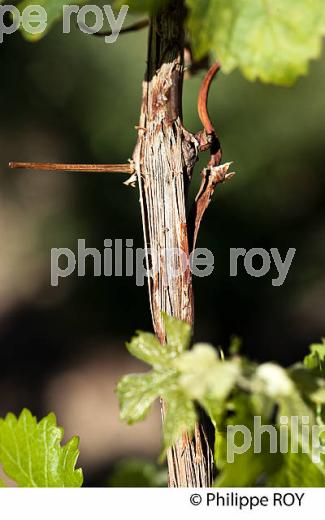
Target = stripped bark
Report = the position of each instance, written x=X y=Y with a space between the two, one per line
x=164 y=159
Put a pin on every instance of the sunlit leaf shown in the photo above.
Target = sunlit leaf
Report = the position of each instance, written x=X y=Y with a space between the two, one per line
x=136 y=393
x=31 y=453
x=272 y=40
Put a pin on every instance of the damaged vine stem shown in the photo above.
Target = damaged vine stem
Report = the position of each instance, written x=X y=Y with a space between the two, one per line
x=162 y=164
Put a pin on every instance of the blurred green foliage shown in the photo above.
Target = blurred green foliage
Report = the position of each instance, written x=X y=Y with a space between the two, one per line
x=234 y=392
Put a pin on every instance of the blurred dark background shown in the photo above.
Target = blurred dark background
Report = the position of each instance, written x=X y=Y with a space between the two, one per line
x=73 y=98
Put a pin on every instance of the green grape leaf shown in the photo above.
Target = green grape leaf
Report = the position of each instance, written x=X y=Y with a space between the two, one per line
x=270 y=40
x=146 y=347
x=180 y=417
x=203 y=375
x=137 y=392
x=31 y=453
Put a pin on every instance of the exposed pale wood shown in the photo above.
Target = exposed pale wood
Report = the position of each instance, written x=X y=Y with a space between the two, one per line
x=164 y=159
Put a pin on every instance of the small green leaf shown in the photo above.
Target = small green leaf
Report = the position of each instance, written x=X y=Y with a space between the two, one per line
x=180 y=417
x=203 y=375
x=137 y=392
x=32 y=455
x=272 y=40
x=178 y=334
x=146 y=347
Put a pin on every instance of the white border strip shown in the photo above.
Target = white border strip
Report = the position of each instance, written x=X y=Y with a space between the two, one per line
x=160 y=504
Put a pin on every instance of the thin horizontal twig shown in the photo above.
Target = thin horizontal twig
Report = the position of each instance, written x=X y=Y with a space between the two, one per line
x=97 y=168
x=137 y=26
